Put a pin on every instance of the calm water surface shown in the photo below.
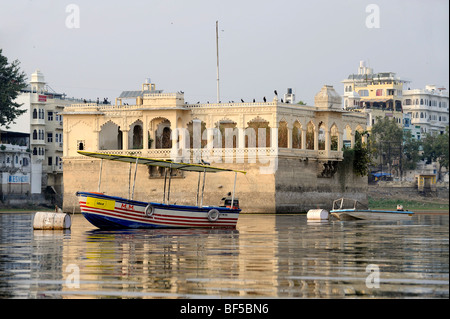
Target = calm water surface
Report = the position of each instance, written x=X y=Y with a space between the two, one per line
x=266 y=256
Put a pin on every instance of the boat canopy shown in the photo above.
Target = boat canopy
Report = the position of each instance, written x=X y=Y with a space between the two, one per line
x=159 y=162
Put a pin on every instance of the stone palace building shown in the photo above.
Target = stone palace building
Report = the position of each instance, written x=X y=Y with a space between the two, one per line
x=290 y=151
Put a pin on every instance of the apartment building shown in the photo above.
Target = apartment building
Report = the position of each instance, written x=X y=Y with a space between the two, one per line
x=43 y=123
x=375 y=94
x=427 y=109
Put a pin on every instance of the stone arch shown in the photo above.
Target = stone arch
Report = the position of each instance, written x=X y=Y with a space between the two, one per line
x=322 y=136
x=360 y=130
x=197 y=133
x=161 y=133
x=283 y=134
x=136 y=135
x=257 y=133
x=297 y=135
x=310 y=135
x=334 y=138
x=109 y=136
x=227 y=133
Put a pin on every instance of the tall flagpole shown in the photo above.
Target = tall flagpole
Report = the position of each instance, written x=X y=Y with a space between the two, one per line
x=217 y=49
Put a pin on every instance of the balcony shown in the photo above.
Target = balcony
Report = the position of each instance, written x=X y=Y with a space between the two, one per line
x=53 y=169
x=37 y=142
x=37 y=121
x=230 y=155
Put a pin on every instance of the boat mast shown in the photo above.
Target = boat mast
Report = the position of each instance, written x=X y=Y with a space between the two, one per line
x=234 y=190
x=170 y=179
x=129 y=181
x=165 y=181
x=198 y=186
x=100 y=175
x=217 y=50
x=134 y=182
x=203 y=186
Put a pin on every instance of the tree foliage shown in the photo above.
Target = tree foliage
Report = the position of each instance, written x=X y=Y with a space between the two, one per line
x=435 y=149
x=12 y=80
x=386 y=137
x=411 y=149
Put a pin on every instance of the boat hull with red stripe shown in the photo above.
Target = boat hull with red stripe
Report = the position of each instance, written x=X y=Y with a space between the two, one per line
x=111 y=212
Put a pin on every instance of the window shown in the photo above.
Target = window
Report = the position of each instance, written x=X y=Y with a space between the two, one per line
x=363 y=92
x=50 y=160
x=50 y=137
x=379 y=92
x=50 y=116
x=35 y=115
x=408 y=102
x=80 y=145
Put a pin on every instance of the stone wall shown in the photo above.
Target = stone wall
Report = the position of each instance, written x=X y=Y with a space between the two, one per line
x=301 y=187
x=295 y=186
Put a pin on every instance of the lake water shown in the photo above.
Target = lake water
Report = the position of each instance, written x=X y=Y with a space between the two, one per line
x=267 y=256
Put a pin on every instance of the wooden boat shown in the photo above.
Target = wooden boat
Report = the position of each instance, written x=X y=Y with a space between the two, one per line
x=112 y=212
x=348 y=209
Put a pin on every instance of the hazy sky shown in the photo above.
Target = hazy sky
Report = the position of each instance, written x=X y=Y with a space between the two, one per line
x=264 y=45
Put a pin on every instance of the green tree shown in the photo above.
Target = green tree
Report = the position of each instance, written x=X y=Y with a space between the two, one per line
x=357 y=159
x=435 y=149
x=411 y=149
x=386 y=142
x=12 y=80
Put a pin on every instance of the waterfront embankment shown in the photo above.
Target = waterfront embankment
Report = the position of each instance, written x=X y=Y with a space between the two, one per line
x=389 y=195
x=384 y=195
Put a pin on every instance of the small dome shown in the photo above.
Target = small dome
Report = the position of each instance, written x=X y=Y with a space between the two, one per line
x=328 y=98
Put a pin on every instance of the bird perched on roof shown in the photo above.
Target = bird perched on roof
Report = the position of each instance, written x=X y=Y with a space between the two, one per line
x=205 y=163
x=242 y=100
x=276 y=93
x=264 y=99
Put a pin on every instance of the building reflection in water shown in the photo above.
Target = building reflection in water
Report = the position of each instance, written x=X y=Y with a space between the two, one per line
x=266 y=256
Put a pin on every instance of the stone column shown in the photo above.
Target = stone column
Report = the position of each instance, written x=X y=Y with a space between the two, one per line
x=316 y=138
x=303 y=141
x=327 y=140
x=125 y=139
x=340 y=141
x=352 y=140
x=145 y=133
x=289 y=137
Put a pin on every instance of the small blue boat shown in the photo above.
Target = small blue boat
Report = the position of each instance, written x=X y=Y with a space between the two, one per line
x=350 y=209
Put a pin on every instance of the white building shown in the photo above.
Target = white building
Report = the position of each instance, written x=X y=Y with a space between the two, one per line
x=15 y=165
x=44 y=124
x=428 y=109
